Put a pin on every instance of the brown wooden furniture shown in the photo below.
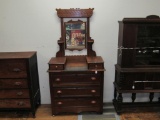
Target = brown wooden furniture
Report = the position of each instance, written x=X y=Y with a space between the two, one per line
x=76 y=82
x=19 y=82
x=138 y=65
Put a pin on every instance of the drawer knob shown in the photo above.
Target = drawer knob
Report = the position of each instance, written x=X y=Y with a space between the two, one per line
x=59 y=91
x=93 y=91
x=93 y=102
x=19 y=93
x=16 y=70
x=93 y=78
x=59 y=103
x=58 y=79
x=56 y=66
x=96 y=66
x=17 y=83
x=21 y=103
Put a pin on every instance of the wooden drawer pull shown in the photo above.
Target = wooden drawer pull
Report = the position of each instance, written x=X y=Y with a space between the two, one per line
x=59 y=91
x=93 y=91
x=19 y=93
x=93 y=102
x=93 y=78
x=96 y=66
x=16 y=70
x=17 y=83
x=21 y=103
x=58 y=79
x=59 y=103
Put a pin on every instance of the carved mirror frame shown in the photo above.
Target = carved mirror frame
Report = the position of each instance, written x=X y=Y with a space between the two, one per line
x=75 y=39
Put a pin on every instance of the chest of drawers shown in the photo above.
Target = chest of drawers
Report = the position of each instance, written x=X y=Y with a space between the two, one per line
x=19 y=81
x=77 y=89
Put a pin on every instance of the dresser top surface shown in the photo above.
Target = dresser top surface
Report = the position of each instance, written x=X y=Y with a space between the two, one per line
x=16 y=55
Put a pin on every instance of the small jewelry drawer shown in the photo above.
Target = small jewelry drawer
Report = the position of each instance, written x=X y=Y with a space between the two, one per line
x=56 y=67
x=95 y=66
x=15 y=103
x=13 y=83
x=13 y=69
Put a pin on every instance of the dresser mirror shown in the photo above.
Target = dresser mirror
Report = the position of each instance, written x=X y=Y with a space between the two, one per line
x=75 y=35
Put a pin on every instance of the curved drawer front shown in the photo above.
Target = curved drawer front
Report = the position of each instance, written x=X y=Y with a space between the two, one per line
x=13 y=83
x=15 y=103
x=76 y=102
x=77 y=92
x=21 y=93
x=13 y=69
x=76 y=78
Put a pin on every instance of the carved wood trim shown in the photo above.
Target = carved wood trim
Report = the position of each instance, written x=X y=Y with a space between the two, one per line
x=75 y=13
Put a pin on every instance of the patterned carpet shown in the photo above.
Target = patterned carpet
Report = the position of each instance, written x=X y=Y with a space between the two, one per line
x=146 y=113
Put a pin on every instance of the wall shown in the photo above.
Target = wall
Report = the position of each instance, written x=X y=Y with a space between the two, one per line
x=32 y=25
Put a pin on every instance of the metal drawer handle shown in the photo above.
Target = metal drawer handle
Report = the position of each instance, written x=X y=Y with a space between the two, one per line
x=58 y=79
x=19 y=93
x=21 y=103
x=59 y=91
x=93 y=78
x=59 y=103
x=16 y=70
x=17 y=83
x=93 y=91
x=93 y=102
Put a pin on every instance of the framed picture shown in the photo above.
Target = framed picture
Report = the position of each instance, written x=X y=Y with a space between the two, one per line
x=75 y=35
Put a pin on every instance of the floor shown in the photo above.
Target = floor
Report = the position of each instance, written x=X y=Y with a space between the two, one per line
x=44 y=113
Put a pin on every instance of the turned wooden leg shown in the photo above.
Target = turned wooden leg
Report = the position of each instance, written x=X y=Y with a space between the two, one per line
x=115 y=93
x=133 y=97
x=119 y=103
x=151 y=96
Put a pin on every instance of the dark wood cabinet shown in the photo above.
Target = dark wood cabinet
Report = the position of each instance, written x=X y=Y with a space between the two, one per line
x=76 y=81
x=19 y=81
x=138 y=64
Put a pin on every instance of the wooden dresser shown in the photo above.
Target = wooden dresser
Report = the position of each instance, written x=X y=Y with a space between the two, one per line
x=19 y=81
x=76 y=81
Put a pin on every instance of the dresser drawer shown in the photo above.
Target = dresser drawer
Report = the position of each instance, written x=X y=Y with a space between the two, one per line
x=13 y=83
x=76 y=92
x=96 y=66
x=15 y=103
x=76 y=102
x=75 y=78
x=13 y=68
x=21 y=93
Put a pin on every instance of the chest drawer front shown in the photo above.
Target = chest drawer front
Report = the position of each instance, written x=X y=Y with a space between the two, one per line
x=77 y=92
x=13 y=83
x=75 y=78
x=76 y=102
x=15 y=103
x=13 y=69
x=21 y=93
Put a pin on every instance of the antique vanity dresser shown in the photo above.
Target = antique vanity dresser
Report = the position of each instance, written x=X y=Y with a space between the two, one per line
x=19 y=81
x=138 y=64
x=76 y=81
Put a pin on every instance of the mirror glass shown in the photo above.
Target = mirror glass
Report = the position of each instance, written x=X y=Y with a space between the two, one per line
x=75 y=35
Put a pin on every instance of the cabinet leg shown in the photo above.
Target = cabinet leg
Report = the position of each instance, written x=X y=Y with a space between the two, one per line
x=133 y=97
x=151 y=96
x=119 y=103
